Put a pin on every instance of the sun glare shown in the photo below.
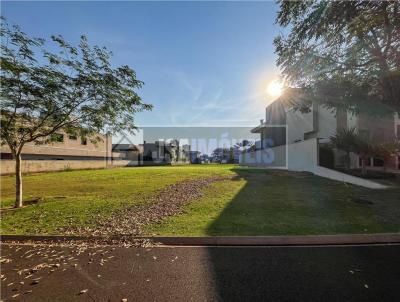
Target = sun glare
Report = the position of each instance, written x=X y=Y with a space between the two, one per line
x=274 y=89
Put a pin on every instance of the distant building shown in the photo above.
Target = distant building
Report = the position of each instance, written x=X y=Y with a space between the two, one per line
x=65 y=147
x=165 y=152
x=127 y=152
x=194 y=157
x=67 y=152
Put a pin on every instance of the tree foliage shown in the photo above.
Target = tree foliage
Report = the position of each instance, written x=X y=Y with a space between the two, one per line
x=75 y=89
x=343 y=53
x=345 y=140
x=349 y=140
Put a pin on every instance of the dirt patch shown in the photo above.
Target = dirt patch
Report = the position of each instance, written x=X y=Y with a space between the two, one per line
x=169 y=202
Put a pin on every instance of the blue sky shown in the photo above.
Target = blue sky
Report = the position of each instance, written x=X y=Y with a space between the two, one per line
x=203 y=63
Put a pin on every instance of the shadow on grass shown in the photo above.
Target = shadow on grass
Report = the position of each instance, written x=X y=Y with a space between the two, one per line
x=275 y=202
x=286 y=203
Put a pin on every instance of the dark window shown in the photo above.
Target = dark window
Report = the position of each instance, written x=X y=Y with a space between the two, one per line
x=83 y=141
x=57 y=137
x=72 y=137
x=378 y=162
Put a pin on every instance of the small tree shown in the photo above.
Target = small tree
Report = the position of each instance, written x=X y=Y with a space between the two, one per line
x=365 y=149
x=345 y=140
x=75 y=89
x=349 y=140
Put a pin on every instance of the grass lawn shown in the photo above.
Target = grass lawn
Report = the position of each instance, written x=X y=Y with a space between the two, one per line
x=254 y=202
x=262 y=202
x=82 y=198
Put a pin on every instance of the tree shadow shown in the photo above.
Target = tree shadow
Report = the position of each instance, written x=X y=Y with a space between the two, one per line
x=277 y=202
x=304 y=273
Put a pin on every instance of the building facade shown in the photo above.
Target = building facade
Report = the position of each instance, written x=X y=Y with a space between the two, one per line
x=67 y=152
x=284 y=130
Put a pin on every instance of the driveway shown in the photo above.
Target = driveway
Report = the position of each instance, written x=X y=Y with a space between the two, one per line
x=329 y=273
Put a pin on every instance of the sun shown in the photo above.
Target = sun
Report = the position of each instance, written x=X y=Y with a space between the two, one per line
x=274 y=89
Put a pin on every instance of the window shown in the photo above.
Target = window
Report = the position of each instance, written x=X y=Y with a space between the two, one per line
x=378 y=162
x=72 y=137
x=57 y=137
x=83 y=141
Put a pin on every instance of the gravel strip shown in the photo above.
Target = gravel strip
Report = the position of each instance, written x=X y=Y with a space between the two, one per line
x=169 y=202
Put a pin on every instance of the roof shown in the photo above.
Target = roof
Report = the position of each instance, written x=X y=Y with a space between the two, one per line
x=125 y=147
x=258 y=128
x=275 y=115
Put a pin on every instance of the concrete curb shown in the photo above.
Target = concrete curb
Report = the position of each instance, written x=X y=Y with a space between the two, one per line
x=384 y=238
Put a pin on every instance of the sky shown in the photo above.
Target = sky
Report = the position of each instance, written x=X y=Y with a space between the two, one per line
x=203 y=63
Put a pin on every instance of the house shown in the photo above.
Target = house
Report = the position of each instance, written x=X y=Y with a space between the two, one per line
x=65 y=152
x=64 y=147
x=127 y=152
x=292 y=139
x=165 y=152
x=194 y=157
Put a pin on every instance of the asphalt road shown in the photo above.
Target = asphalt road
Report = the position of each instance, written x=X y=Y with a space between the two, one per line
x=340 y=273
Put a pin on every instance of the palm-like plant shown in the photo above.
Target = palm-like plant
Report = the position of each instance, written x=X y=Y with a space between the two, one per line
x=346 y=140
x=364 y=148
x=349 y=140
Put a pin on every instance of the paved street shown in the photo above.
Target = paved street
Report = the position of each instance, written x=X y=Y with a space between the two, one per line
x=341 y=273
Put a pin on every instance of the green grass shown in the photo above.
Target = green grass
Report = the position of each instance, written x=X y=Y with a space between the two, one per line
x=263 y=202
x=87 y=196
x=255 y=202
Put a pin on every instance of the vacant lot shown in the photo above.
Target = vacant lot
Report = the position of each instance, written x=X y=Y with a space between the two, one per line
x=246 y=202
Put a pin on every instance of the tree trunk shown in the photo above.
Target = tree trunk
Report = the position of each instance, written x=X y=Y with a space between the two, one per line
x=348 y=161
x=363 y=168
x=18 y=181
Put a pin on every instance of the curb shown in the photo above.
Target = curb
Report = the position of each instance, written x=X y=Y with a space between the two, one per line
x=386 y=238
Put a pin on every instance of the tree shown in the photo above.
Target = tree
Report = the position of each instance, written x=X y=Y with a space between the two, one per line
x=345 y=54
x=365 y=150
x=75 y=89
x=345 y=140
x=349 y=140
x=221 y=153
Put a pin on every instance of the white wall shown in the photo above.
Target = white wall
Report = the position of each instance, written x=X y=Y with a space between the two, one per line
x=327 y=122
x=351 y=120
x=320 y=119
x=298 y=124
x=270 y=157
x=303 y=156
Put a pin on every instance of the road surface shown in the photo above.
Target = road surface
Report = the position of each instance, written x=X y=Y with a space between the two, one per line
x=329 y=273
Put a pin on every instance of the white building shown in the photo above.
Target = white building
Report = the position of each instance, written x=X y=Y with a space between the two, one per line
x=293 y=140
